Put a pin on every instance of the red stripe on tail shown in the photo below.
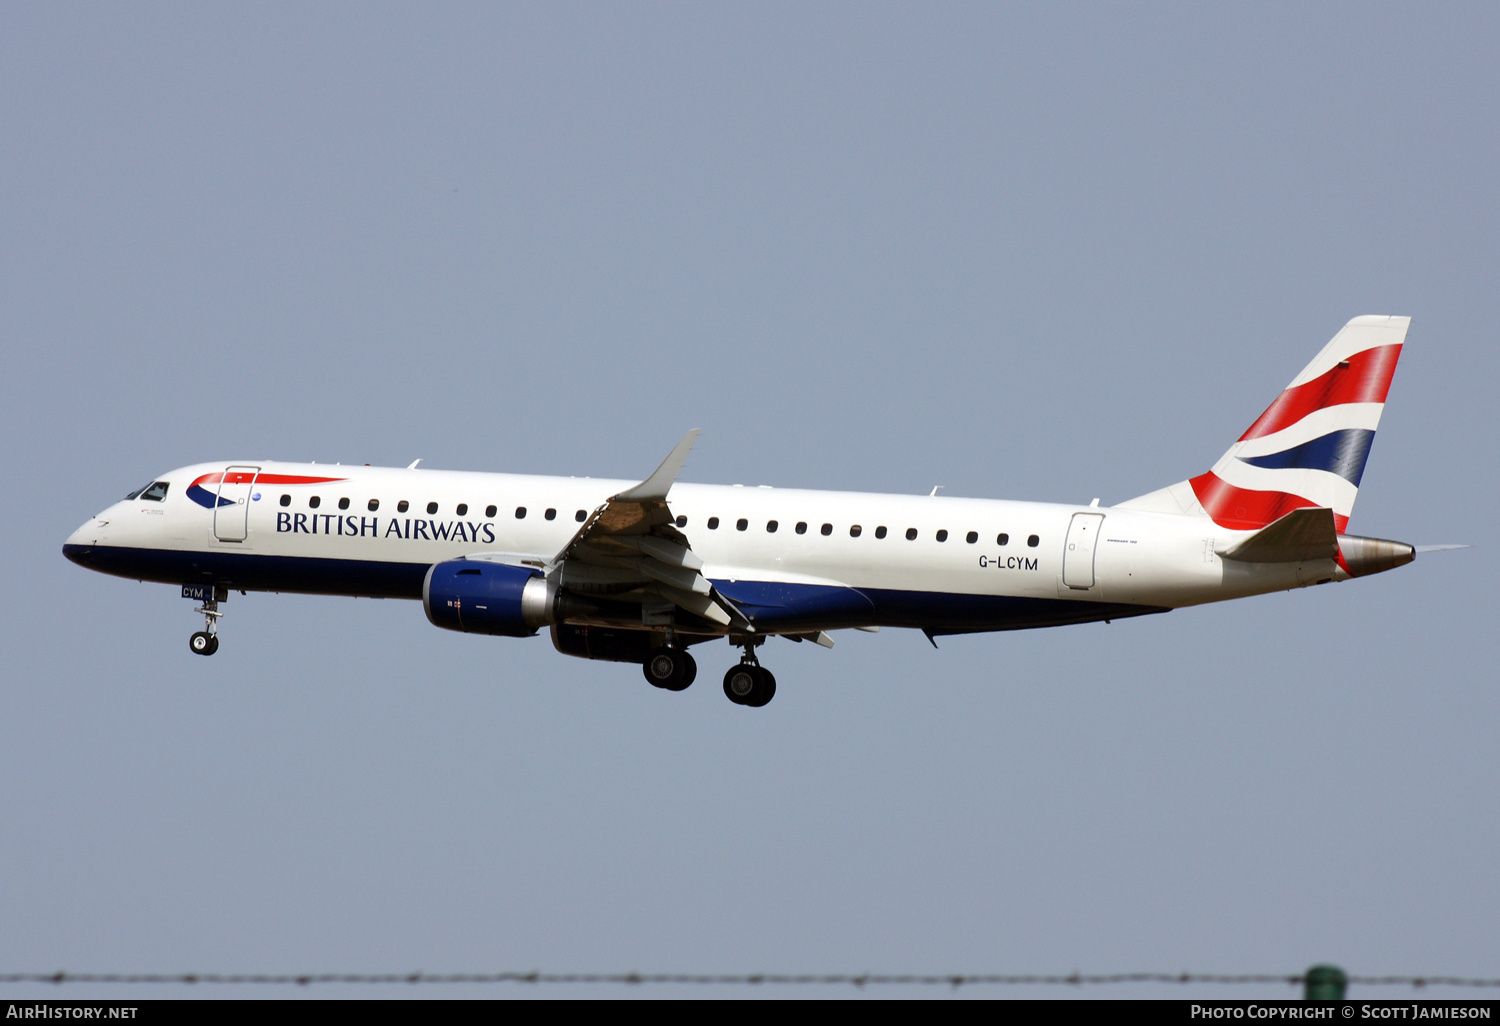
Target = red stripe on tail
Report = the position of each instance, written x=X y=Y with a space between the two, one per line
x=1367 y=379
x=1240 y=509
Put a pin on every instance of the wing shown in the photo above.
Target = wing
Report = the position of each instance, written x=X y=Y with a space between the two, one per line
x=631 y=546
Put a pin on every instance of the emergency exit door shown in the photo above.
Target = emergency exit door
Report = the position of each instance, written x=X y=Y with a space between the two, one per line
x=232 y=510
x=1078 y=557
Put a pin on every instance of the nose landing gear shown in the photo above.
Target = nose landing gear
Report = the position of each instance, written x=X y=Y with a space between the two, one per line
x=206 y=641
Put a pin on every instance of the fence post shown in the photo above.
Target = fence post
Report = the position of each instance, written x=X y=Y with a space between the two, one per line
x=1324 y=983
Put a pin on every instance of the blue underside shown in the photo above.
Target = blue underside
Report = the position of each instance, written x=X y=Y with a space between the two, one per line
x=769 y=605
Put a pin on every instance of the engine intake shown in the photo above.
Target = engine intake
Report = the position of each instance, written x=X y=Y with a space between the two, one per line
x=478 y=597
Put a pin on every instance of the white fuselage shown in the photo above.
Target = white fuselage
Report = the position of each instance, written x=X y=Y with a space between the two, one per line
x=918 y=557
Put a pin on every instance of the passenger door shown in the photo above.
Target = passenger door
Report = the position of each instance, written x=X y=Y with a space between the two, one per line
x=1078 y=557
x=232 y=510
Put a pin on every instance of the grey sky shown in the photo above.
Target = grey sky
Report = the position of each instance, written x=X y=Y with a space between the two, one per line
x=1048 y=252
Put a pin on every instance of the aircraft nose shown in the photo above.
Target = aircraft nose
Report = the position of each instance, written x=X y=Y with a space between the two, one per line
x=79 y=548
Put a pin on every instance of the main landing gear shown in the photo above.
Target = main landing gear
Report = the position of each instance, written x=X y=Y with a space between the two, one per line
x=206 y=641
x=749 y=683
x=672 y=669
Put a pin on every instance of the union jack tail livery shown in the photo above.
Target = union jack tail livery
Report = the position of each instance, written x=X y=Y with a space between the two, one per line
x=1309 y=448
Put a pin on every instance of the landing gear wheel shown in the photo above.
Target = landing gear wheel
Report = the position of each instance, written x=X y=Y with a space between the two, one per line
x=749 y=684
x=203 y=643
x=213 y=644
x=671 y=669
x=739 y=683
x=766 y=691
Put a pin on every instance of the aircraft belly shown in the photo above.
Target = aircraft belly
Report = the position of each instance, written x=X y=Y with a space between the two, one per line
x=257 y=572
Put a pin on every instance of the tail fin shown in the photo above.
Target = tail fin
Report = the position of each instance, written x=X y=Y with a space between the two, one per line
x=1309 y=447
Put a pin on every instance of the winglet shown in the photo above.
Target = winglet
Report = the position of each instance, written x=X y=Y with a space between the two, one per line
x=655 y=487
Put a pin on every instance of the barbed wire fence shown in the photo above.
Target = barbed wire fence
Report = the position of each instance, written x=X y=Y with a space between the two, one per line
x=860 y=980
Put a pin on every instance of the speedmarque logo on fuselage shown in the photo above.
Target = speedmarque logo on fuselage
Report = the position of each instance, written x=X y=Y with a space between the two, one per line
x=211 y=499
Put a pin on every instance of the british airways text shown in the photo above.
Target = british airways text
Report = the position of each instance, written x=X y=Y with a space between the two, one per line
x=349 y=526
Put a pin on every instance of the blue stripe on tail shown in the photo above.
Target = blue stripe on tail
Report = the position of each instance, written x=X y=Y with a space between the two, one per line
x=1338 y=452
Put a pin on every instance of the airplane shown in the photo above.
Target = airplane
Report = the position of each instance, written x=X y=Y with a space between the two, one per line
x=640 y=572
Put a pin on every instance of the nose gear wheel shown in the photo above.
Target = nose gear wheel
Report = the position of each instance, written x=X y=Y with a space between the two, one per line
x=206 y=641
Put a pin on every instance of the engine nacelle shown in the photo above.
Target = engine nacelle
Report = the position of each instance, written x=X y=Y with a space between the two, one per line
x=478 y=597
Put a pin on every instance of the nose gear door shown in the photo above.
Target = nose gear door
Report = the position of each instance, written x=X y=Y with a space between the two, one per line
x=232 y=510
x=1078 y=557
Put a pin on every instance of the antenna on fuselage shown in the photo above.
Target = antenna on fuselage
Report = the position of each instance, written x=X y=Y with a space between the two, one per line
x=413 y=464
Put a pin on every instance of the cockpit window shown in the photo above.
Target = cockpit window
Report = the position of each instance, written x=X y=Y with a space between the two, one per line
x=136 y=493
x=155 y=491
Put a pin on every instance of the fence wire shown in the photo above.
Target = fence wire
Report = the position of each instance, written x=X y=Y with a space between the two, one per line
x=954 y=980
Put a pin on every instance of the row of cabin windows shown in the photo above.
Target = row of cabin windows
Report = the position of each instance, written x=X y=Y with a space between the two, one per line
x=855 y=530
x=462 y=509
x=772 y=526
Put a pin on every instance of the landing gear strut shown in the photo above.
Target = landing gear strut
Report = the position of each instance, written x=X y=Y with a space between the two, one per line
x=206 y=641
x=749 y=683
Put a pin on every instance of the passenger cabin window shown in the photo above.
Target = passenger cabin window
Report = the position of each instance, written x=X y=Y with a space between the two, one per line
x=971 y=537
x=402 y=506
x=854 y=531
x=155 y=492
x=344 y=503
x=681 y=521
x=880 y=531
x=520 y=512
x=911 y=534
x=741 y=524
x=432 y=507
x=1002 y=538
x=713 y=523
x=551 y=514
x=373 y=505
x=463 y=509
x=286 y=500
x=942 y=536
x=826 y=530
x=771 y=526
x=1033 y=541
x=580 y=516
x=802 y=527
x=490 y=511
x=314 y=502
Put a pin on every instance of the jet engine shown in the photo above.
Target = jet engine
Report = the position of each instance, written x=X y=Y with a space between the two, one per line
x=478 y=597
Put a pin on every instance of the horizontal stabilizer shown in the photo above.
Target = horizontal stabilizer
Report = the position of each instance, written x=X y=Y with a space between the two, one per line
x=1301 y=535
